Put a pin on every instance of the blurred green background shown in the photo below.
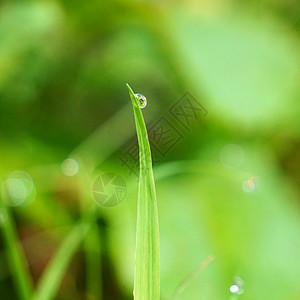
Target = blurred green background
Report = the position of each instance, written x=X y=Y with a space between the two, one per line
x=229 y=187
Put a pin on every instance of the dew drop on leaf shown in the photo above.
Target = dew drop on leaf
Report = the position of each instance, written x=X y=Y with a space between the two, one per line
x=141 y=99
x=237 y=287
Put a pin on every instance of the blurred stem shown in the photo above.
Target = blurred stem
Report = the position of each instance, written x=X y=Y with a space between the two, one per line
x=187 y=281
x=53 y=275
x=92 y=242
x=99 y=145
x=169 y=169
x=16 y=257
x=92 y=249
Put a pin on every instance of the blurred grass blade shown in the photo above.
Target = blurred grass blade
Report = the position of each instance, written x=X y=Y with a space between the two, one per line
x=188 y=280
x=147 y=265
x=15 y=254
x=93 y=261
x=53 y=275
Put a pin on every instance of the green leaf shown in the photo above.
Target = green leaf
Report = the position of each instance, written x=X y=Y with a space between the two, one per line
x=147 y=266
x=15 y=255
x=53 y=275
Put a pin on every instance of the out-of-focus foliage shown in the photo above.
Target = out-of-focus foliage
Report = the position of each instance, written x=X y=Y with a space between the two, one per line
x=229 y=187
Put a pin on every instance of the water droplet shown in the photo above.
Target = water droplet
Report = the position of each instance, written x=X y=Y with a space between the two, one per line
x=237 y=287
x=141 y=99
x=70 y=167
x=234 y=289
x=18 y=189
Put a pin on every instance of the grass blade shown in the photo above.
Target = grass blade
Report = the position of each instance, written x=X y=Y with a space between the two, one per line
x=147 y=265
x=16 y=257
x=53 y=275
x=187 y=281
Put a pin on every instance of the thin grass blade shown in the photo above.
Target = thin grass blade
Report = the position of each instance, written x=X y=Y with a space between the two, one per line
x=189 y=279
x=147 y=263
x=16 y=257
x=54 y=272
